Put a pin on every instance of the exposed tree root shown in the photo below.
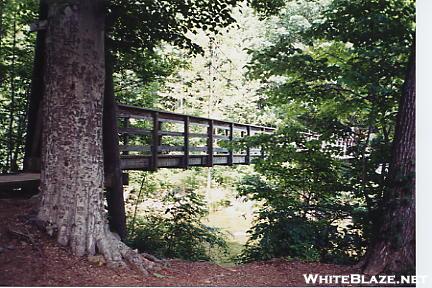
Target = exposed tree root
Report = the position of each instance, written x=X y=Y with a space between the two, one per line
x=118 y=254
x=100 y=241
x=114 y=251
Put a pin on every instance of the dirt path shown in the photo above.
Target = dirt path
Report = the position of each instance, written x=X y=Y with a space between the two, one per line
x=29 y=258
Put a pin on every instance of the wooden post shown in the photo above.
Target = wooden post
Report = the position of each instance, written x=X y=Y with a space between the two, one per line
x=210 y=141
x=111 y=151
x=125 y=136
x=231 y=151
x=160 y=127
x=155 y=141
x=186 y=142
x=247 y=158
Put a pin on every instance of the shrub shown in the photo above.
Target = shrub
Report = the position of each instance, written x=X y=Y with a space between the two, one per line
x=287 y=227
x=177 y=232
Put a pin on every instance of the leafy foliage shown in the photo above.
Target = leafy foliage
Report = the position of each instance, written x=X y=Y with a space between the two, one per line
x=175 y=230
x=133 y=25
x=16 y=47
x=304 y=209
x=331 y=69
x=214 y=84
x=134 y=31
x=336 y=73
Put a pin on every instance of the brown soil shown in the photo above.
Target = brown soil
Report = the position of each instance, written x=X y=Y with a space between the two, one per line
x=28 y=257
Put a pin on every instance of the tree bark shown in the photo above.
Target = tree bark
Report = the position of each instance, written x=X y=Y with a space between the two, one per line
x=72 y=175
x=394 y=249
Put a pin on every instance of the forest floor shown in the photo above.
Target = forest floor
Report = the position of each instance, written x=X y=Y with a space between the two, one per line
x=29 y=257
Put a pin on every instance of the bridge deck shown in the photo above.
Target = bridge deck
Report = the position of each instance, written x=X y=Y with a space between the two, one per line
x=18 y=180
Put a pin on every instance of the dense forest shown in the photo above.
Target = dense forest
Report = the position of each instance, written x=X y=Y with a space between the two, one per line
x=335 y=78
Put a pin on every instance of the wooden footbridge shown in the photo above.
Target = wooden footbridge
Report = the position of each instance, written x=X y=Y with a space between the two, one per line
x=145 y=139
x=149 y=139
x=137 y=138
x=152 y=139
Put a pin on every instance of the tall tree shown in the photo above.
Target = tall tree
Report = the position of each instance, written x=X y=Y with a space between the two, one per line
x=72 y=176
x=394 y=249
x=346 y=70
x=72 y=170
x=382 y=30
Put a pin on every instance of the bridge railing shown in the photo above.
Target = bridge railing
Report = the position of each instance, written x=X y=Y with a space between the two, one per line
x=152 y=139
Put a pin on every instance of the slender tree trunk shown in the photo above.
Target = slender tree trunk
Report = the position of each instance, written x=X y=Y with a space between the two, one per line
x=12 y=93
x=32 y=149
x=72 y=176
x=19 y=140
x=113 y=172
x=2 y=31
x=394 y=249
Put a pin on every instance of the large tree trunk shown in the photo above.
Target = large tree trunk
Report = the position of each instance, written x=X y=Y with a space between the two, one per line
x=72 y=159
x=394 y=249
